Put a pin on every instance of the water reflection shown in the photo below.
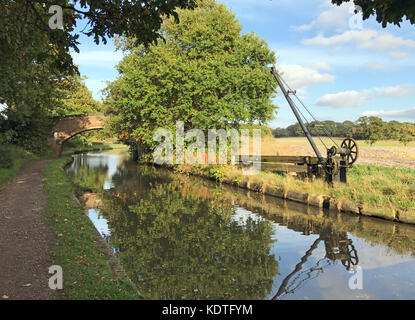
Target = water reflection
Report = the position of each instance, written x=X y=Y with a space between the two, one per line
x=181 y=237
x=337 y=246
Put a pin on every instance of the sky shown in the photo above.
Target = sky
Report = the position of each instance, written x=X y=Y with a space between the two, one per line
x=341 y=66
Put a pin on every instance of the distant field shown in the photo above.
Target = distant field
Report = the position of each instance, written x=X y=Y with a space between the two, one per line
x=327 y=141
x=388 y=153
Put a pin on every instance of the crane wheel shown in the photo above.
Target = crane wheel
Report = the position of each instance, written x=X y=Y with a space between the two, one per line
x=350 y=144
x=332 y=167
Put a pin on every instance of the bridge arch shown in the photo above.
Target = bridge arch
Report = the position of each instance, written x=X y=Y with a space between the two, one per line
x=70 y=126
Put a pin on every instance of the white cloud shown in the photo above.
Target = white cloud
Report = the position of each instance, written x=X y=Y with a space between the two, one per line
x=333 y=17
x=351 y=58
x=336 y=16
x=404 y=90
x=364 y=39
x=358 y=98
x=320 y=65
x=398 y=55
x=304 y=27
x=343 y=99
x=401 y=114
x=301 y=77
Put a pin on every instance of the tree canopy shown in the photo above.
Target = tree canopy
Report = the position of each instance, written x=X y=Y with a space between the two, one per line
x=35 y=57
x=31 y=52
x=75 y=97
x=373 y=128
x=207 y=74
x=386 y=11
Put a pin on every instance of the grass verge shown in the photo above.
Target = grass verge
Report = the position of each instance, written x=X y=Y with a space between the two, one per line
x=87 y=273
x=374 y=186
x=19 y=157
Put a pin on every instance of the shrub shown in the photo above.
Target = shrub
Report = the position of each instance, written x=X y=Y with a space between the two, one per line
x=6 y=157
x=215 y=174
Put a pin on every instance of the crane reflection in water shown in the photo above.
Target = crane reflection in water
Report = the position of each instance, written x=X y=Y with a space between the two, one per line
x=338 y=247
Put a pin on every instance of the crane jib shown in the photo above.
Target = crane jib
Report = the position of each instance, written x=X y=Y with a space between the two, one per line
x=297 y=115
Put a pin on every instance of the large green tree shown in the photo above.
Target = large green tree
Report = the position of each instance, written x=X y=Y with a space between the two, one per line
x=34 y=56
x=32 y=59
x=74 y=97
x=386 y=11
x=207 y=74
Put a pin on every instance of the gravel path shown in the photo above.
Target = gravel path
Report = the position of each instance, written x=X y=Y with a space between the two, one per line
x=26 y=237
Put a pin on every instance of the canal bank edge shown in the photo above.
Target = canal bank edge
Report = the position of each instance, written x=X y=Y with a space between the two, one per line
x=320 y=201
x=89 y=271
x=104 y=246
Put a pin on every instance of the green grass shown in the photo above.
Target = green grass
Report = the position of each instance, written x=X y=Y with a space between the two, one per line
x=377 y=187
x=86 y=271
x=381 y=186
x=20 y=157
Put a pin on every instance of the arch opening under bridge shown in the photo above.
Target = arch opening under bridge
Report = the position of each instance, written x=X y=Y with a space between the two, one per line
x=70 y=126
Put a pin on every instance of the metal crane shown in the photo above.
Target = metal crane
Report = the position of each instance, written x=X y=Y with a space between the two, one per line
x=347 y=151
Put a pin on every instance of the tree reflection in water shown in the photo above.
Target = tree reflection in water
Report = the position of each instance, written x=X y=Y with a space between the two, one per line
x=88 y=175
x=179 y=242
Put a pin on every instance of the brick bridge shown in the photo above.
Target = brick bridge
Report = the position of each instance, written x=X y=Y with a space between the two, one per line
x=70 y=126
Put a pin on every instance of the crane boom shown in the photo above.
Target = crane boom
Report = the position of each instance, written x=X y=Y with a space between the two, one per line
x=297 y=115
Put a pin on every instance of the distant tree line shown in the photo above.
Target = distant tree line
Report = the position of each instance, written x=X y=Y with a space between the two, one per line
x=371 y=129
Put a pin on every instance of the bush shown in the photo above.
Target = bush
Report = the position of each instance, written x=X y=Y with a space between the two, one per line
x=215 y=174
x=6 y=157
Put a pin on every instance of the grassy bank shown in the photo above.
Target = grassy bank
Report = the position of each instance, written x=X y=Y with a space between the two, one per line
x=370 y=186
x=19 y=157
x=87 y=273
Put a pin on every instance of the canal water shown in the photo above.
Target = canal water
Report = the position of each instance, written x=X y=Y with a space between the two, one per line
x=181 y=237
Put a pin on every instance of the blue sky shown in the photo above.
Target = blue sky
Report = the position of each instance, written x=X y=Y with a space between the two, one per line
x=341 y=66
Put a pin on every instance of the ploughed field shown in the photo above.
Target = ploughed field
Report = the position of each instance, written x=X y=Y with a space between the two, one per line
x=383 y=153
